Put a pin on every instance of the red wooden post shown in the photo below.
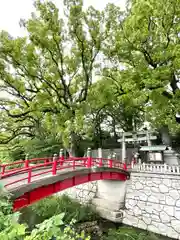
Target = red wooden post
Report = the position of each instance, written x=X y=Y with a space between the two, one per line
x=54 y=165
x=89 y=158
x=110 y=164
x=3 y=170
x=100 y=162
x=61 y=157
x=26 y=163
x=29 y=175
x=46 y=160
x=124 y=166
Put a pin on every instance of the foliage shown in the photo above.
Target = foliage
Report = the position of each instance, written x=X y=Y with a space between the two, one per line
x=107 y=108
x=48 y=76
x=50 y=229
x=128 y=233
x=42 y=147
x=4 y=154
x=54 y=205
x=145 y=42
x=10 y=229
x=52 y=71
x=31 y=148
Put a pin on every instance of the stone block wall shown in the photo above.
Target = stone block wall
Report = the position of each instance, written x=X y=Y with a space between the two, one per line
x=84 y=193
x=153 y=203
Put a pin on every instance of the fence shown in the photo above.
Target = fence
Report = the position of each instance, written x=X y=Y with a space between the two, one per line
x=156 y=168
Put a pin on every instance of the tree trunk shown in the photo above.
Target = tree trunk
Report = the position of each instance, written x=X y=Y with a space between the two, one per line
x=165 y=135
x=75 y=146
x=72 y=150
x=114 y=129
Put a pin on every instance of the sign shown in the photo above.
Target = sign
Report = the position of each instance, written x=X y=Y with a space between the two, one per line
x=155 y=157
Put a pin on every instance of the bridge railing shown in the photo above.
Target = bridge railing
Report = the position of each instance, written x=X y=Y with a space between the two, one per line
x=56 y=164
x=157 y=168
x=9 y=168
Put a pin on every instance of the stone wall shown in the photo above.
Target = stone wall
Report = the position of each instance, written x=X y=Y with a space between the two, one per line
x=153 y=203
x=84 y=193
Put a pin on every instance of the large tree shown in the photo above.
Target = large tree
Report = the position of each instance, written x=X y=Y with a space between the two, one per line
x=48 y=73
x=145 y=42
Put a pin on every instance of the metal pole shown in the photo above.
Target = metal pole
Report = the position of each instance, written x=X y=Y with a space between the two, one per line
x=148 y=138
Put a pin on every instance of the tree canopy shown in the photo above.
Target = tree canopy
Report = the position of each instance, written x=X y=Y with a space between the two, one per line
x=48 y=73
x=50 y=76
x=145 y=40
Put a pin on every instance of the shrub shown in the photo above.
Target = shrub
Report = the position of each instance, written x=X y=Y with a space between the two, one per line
x=49 y=229
x=54 y=205
x=129 y=233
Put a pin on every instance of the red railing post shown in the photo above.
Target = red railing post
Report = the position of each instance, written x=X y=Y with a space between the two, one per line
x=100 y=162
x=110 y=163
x=124 y=166
x=54 y=166
x=61 y=156
x=26 y=162
x=89 y=158
x=3 y=170
x=29 y=175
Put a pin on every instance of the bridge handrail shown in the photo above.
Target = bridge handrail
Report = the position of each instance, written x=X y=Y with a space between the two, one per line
x=23 y=164
x=59 y=164
x=25 y=169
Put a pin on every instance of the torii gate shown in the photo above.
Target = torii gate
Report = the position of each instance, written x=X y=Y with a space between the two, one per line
x=135 y=137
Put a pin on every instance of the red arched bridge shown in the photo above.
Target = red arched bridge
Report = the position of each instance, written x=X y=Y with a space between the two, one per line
x=31 y=180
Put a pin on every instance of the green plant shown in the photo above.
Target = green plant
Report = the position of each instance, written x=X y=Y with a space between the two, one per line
x=129 y=233
x=54 y=205
x=10 y=229
x=50 y=229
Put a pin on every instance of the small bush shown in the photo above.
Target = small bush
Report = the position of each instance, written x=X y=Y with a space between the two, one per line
x=130 y=233
x=54 y=205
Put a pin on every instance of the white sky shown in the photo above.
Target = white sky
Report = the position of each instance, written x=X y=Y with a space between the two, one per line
x=11 y=11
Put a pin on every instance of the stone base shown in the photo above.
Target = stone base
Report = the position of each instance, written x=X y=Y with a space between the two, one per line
x=171 y=157
x=108 y=210
x=109 y=205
